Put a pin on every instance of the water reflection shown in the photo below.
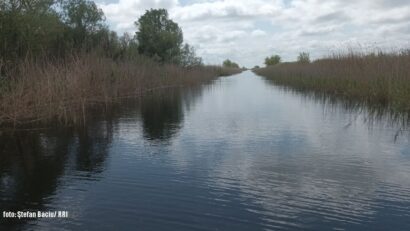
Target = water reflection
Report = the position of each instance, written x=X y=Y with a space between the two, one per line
x=92 y=147
x=32 y=163
x=371 y=114
x=162 y=115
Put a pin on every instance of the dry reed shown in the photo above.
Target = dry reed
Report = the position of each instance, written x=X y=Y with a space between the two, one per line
x=38 y=91
x=381 y=79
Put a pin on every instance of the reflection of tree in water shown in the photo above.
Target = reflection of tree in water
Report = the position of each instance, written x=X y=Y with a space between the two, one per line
x=163 y=113
x=32 y=163
x=92 y=147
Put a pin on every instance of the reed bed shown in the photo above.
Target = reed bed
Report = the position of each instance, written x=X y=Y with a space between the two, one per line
x=378 y=79
x=39 y=91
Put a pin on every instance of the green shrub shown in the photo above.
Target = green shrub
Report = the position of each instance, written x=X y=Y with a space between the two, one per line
x=304 y=57
x=273 y=60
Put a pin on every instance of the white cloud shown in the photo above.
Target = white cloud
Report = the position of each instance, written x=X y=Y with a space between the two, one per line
x=247 y=31
x=258 y=33
x=228 y=9
x=317 y=31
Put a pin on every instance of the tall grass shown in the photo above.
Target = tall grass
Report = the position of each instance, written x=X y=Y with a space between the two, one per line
x=381 y=79
x=37 y=91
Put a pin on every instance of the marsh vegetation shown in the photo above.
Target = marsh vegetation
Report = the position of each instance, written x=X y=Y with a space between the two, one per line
x=381 y=79
x=64 y=90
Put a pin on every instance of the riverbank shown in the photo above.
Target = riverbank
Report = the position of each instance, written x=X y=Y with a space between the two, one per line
x=381 y=79
x=40 y=91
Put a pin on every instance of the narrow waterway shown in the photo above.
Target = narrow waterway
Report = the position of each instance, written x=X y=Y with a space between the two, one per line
x=237 y=154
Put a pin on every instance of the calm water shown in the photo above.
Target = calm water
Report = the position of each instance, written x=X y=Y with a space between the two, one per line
x=238 y=154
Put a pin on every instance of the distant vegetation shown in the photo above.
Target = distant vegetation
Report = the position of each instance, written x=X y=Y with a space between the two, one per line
x=377 y=78
x=273 y=60
x=304 y=57
x=58 y=58
x=229 y=64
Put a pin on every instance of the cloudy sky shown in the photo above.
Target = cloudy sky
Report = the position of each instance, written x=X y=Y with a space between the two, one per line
x=246 y=31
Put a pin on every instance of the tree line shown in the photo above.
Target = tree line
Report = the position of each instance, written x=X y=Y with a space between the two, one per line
x=229 y=64
x=303 y=58
x=57 y=28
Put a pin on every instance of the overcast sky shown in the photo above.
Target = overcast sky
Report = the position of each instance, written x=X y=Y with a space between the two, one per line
x=246 y=31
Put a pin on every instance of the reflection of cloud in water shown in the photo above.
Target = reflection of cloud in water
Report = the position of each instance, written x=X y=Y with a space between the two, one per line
x=302 y=163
